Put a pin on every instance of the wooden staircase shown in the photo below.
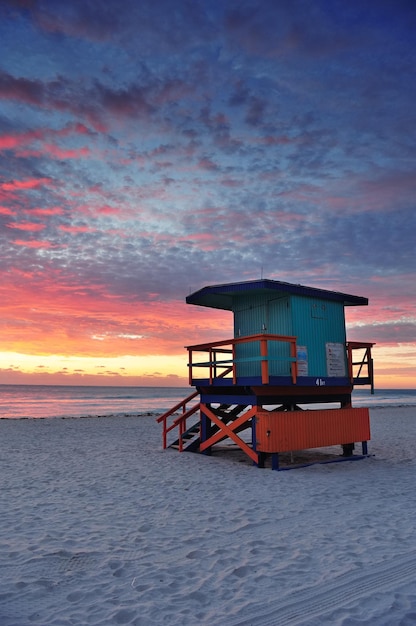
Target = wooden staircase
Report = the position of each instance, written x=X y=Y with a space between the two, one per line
x=180 y=423
x=189 y=437
x=189 y=441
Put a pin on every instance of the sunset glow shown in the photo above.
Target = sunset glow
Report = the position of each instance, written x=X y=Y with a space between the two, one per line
x=143 y=158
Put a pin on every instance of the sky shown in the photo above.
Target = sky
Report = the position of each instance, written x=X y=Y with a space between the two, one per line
x=151 y=148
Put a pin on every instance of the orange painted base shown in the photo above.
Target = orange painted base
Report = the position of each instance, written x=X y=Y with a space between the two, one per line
x=299 y=430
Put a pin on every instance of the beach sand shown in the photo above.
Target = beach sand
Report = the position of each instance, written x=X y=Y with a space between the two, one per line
x=99 y=525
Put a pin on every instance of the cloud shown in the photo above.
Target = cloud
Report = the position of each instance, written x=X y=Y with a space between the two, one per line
x=397 y=332
x=26 y=226
x=207 y=164
x=46 y=211
x=94 y=102
x=76 y=229
x=146 y=27
x=18 y=185
x=21 y=89
x=6 y=211
x=33 y=244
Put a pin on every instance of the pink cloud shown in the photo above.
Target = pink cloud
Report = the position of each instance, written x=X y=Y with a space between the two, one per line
x=32 y=183
x=27 y=226
x=207 y=164
x=8 y=142
x=69 y=129
x=76 y=229
x=20 y=141
x=386 y=190
x=108 y=210
x=47 y=211
x=6 y=211
x=32 y=244
x=60 y=153
x=206 y=241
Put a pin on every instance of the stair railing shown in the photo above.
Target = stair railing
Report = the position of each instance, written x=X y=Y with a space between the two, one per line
x=179 y=421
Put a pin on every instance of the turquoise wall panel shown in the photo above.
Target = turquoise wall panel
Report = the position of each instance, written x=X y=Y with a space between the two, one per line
x=250 y=318
x=253 y=315
x=280 y=323
x=317 y=323
x=250 y=315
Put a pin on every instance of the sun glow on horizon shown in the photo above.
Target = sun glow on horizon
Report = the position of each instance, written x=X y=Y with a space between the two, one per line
x=54 y=369
x=393 y=367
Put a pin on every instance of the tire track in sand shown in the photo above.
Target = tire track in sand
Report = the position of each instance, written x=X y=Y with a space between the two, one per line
x=308 y=604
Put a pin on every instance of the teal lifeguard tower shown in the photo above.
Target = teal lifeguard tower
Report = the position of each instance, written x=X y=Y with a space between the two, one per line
x=289 y=349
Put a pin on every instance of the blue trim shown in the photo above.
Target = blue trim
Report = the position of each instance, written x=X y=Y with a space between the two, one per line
x=207 y=398
x=322 y=381
x=327 y=461
x=274 y=381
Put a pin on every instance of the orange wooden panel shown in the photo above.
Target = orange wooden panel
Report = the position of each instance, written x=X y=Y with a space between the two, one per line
x=298 y=430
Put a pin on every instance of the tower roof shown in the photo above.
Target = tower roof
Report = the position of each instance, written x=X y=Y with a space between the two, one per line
x=221 y=296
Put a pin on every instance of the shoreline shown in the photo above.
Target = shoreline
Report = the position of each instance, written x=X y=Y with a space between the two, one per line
x=156 y=414
x=82 y=417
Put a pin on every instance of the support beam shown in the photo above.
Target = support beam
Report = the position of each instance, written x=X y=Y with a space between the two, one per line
x=228 y=431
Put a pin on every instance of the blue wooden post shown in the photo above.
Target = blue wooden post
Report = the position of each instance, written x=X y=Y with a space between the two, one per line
x=253 y=436
x=205 y=431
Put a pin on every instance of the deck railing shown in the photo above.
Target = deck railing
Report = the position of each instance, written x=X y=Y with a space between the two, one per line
x=364 y=375
x=218 y=349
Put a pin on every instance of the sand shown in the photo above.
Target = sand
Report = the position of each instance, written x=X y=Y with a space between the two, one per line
x=99 y=525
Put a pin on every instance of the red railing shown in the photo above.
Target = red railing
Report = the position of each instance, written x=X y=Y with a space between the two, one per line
x=179 y=422
x=229 y=365
x=361 y=376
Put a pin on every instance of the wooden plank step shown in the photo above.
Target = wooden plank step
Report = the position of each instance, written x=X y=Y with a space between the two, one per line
x=190 y=439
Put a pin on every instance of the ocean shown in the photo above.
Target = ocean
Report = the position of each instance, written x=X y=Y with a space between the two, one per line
x=37 y=401
x=48 y=401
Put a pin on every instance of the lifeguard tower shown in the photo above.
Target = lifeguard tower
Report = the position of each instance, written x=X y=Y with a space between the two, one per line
x=287 y=361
